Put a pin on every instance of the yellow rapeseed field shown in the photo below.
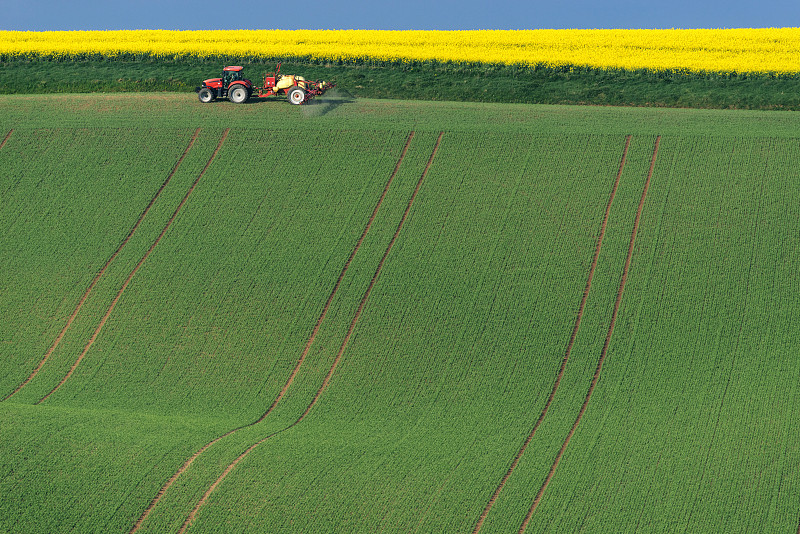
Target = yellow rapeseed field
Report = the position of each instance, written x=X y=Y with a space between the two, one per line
x=768 y=50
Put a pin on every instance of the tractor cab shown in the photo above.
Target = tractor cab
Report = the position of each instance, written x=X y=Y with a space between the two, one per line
x=231 y=74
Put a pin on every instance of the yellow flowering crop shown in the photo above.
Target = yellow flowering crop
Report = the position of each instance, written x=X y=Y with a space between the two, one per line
x=769 y=50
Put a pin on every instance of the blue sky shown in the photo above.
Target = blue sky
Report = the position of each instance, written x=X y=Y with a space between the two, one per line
x=394 y=14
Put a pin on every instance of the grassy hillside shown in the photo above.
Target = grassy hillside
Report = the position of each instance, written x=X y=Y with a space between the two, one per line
x=442 y=82
x=393 y=316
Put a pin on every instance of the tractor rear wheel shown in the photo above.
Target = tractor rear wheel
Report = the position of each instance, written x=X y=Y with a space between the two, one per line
x=296 y=95
x=238 y=94
x=205 y=95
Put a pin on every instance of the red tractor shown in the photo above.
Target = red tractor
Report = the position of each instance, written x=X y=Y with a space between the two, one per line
x=232 y=85
x=236 y=88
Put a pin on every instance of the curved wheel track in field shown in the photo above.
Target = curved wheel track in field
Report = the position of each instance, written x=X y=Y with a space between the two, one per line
x=6 y=138
x=571 y=342
x=102 y=271
x=607 y=342
x=338 y=282
x=133 y=272
x=327 y=379
x=306 y=350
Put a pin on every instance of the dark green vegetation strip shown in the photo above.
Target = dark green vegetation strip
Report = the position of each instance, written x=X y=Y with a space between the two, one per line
x=454 y=353
x=427 y=81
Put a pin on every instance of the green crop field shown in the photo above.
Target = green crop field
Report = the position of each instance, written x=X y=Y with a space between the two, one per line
x=362 y=316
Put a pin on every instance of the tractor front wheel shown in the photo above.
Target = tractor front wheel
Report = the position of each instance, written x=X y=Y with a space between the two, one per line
x=296 y=95
x=205 y=95
x=238 y=94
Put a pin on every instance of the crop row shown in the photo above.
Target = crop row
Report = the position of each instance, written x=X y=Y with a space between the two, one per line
x=193 y=514
x=362 y=338
x=255 y=224
x=291 y=377
x=329 y=341
x=568 y=351
x=63 y=233
x=684 y=430
x=435 y=374
x=73 y=198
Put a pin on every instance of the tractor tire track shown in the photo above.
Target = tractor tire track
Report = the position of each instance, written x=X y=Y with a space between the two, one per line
x=6 y=138
x=606 y=344
x=327 y=379
x=135 y=269
x=306 y=350
x=2 y=144
x=339 y=281
x=571 y=342
x=102 y=271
